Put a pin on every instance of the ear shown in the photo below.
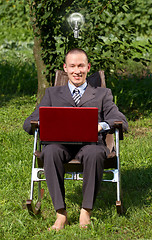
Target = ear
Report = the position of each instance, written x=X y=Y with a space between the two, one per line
x=89 y=66
x=64 y=67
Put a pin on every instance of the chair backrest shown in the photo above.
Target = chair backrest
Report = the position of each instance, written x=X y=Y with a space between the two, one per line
x=95 y=80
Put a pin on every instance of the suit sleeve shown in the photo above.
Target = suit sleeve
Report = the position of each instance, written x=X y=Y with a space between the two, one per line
x=46 y=101
x=111 y=112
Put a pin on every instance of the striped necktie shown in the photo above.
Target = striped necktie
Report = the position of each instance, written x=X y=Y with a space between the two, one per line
x=76 y=96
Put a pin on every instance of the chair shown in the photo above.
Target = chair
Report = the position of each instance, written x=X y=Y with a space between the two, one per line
x=74 y=168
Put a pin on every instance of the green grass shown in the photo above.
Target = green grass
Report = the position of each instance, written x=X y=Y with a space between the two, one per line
x=18 y=83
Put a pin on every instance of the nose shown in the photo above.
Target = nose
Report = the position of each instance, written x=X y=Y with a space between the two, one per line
x=76 y=70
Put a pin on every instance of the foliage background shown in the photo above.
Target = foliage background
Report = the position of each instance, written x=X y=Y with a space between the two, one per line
x=15 y=20
x=108 y=35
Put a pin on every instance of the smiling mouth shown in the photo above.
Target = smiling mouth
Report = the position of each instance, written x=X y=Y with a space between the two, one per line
x=77 y=77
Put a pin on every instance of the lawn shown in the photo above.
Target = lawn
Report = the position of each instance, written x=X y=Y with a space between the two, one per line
x=18 y=83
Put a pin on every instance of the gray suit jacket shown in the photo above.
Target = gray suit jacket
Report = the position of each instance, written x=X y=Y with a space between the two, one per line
x=60 y=96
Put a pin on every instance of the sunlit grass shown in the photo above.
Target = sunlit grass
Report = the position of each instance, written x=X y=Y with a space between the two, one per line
x=16 y=162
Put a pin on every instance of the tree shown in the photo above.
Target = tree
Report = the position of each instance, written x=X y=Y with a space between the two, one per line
x=108 y=34
x=42 y=9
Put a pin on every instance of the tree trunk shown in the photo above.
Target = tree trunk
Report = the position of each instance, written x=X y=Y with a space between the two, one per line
x=42 y=81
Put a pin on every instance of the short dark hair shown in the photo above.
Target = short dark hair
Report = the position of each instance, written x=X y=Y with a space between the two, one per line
x=76 y=50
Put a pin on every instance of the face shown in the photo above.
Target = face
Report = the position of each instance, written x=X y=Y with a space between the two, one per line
x=77 y=67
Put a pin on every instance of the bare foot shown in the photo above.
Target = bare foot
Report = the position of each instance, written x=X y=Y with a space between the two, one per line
x=85 y=217
x=61 y=220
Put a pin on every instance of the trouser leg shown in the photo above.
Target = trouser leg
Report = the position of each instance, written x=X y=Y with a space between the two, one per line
x=92 y=157
x=55 y=155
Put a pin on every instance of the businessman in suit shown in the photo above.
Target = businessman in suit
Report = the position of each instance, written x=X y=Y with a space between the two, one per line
x=77 y=93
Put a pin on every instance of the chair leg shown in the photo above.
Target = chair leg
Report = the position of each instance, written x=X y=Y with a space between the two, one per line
x=119 y=207
x=119 y=204
x=35 y=209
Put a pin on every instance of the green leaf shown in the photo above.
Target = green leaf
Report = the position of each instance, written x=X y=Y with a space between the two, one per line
x=46 y=15
x=136 y=59
x=39 y=5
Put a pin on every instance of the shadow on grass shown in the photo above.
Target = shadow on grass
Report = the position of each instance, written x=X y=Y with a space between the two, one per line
x=132 y=94
x=137 y=186
x=17 y=80
x=136 y=191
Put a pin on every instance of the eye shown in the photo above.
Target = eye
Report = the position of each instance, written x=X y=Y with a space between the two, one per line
x=81 y=65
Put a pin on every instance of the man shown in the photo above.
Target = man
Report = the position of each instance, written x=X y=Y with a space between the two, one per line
x=91 y=156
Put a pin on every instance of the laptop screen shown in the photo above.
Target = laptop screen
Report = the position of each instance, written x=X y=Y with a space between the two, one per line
x=68 y=124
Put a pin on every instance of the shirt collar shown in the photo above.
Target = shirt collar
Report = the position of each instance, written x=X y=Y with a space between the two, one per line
x=80 y=88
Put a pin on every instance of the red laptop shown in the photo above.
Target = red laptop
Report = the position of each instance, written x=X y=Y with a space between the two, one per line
x=68 y=124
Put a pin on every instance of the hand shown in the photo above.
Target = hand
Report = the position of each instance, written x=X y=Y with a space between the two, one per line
x=99 y=128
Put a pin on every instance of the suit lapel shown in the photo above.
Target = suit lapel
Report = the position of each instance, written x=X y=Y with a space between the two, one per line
x=88 y=95
x=66 y=95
